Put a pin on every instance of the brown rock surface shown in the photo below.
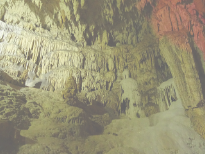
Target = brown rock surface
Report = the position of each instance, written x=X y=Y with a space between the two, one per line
x=200 y=6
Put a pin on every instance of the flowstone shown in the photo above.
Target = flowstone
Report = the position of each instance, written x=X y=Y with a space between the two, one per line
x=131 y=98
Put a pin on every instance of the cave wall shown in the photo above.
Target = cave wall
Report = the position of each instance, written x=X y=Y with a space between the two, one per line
x=179 y=26
x=32 y=58
x=86 y=22
x=45 y=43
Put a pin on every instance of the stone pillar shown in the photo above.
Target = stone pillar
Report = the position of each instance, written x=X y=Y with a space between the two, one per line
x=183 y=69
x=131 y=98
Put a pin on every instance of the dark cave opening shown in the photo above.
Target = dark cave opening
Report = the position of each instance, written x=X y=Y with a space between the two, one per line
x=111 y=41
x=88 y=42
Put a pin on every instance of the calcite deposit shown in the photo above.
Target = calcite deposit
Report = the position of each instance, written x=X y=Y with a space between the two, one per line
x=95 y=77
x=182 y=24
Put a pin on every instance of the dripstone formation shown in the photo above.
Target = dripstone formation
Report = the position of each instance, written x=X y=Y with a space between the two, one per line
x=98 y=61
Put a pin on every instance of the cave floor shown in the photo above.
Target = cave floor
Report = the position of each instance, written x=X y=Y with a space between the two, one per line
x=168 y=132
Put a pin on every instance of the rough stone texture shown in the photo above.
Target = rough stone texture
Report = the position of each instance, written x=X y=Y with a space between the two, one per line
x=181 y=23
x=82 y=49
x=60 y=120
x=70 y=88
x=172 y=16
x=56 y=127
x=13 y=107
x=74 y=19
x=182 y=66
x=197 y=117
x=28 y=110
x=40 y=61
x=200 y=6
x=165 y=131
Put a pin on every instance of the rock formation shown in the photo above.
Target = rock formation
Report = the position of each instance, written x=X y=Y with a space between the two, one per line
x=131 y=99
x=69 y=67
x=181 y=24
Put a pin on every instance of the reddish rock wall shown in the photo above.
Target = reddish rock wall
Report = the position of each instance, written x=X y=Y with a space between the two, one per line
x=200 y=6
x=171 y=16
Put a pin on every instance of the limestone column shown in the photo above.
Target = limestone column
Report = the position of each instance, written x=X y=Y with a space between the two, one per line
x=183 y=69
